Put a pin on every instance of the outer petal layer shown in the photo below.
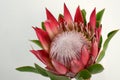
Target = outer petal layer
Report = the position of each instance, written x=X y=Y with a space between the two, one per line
x=76 y=66
x=78 y=16
x=43 y=56
x=51 y=18
x=98 y=33
x=85 y=55
x=93 y=19
x=67 y=15
x=59 y=67
x=43 y=38
x=50 y=28
x=94 y=50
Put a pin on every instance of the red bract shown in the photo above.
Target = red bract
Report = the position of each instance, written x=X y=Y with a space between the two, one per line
x=69 y=46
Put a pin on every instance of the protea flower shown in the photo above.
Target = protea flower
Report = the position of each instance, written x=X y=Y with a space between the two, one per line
x=69 y=46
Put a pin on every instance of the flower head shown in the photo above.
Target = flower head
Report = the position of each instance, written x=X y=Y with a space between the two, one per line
x=69 y=46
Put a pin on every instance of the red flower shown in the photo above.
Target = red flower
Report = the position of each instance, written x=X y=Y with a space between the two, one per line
x=69 y=46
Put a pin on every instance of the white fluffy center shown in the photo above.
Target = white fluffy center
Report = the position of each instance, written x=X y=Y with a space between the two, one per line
x=66 y=46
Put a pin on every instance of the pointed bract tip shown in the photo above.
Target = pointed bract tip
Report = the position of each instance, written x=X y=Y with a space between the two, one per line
x=78 y=16
x=64 y=4
x=94 y=11
x=65 y=7
x=67 y=15
x=34 y=27
x=46 y=10
x=78 y=7
x=93 y=19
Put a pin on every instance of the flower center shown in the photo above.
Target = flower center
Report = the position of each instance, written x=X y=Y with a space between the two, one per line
x=67 y=46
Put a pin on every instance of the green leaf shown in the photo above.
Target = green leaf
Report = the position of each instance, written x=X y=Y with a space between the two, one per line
x=37 y=42
x=101 y=39
x=84 y=16
x=99 y=17
x=41 y=70
x=43 y=26
x=105 y=45
x=79 y=78
x=85 y=74
x=27 y=69
x=95 y=68
x=56 y=77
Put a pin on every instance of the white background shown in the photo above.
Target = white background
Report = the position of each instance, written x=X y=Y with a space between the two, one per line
x=17 y=17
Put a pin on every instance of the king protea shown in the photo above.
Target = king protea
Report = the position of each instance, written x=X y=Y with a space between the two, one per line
x=69 y=45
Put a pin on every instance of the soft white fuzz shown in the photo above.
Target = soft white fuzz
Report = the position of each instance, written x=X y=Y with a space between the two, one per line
x=66 y=46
